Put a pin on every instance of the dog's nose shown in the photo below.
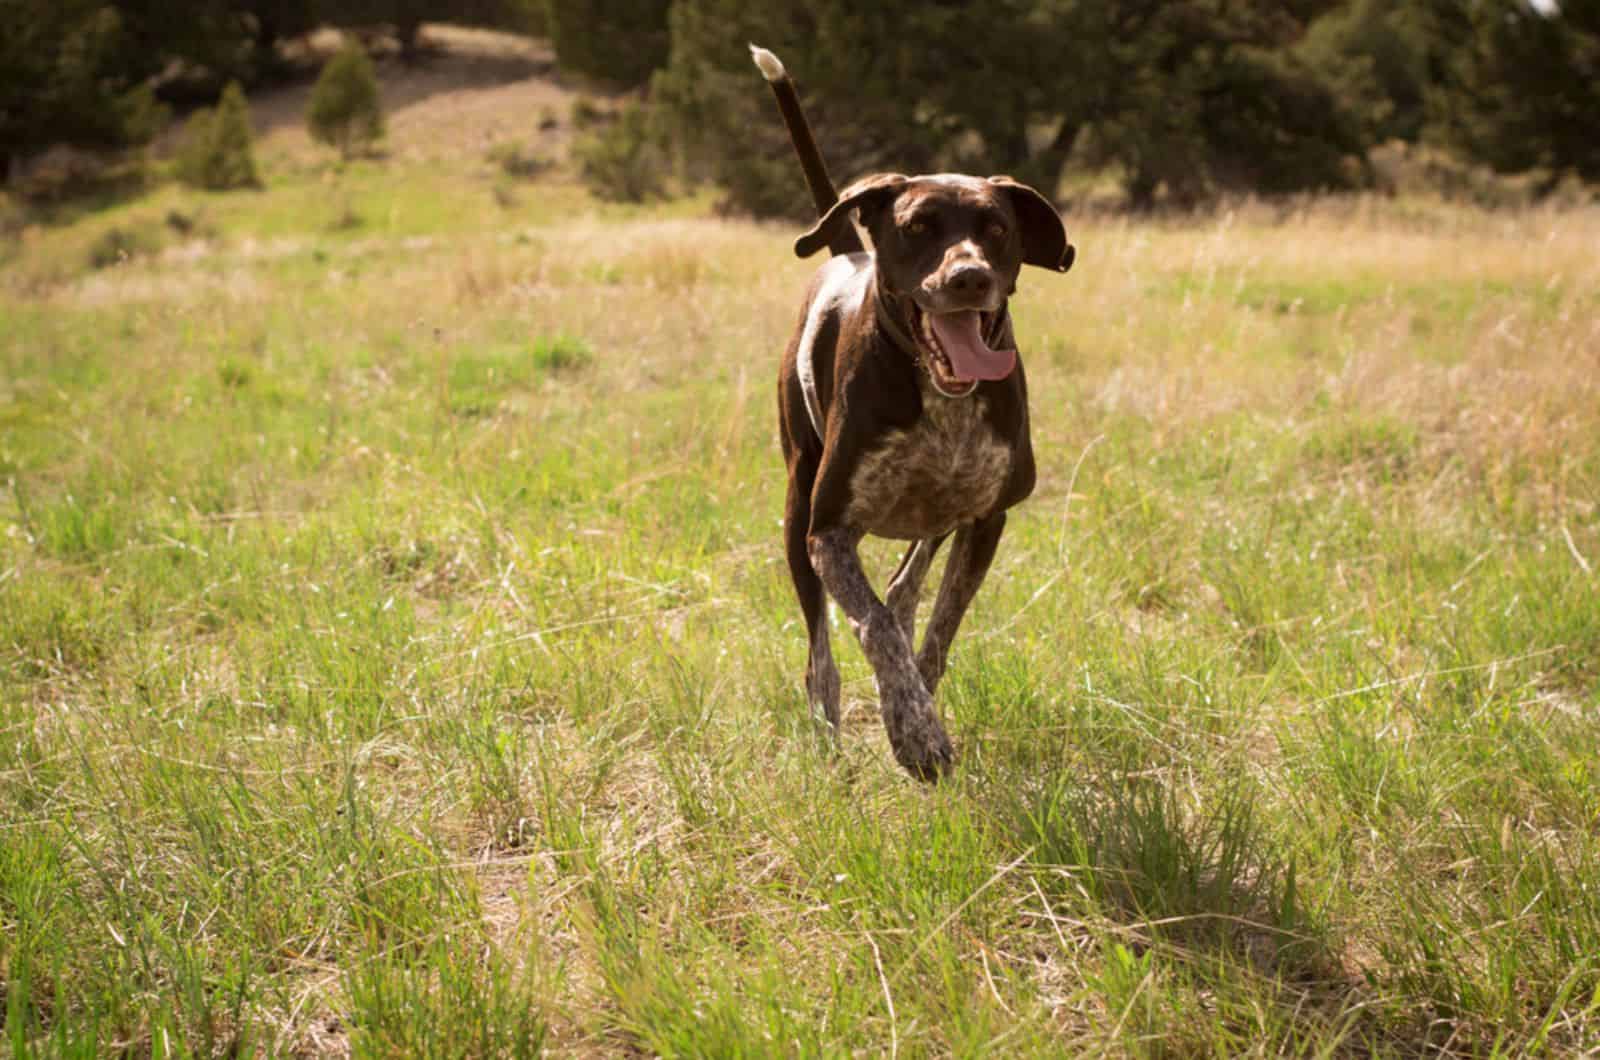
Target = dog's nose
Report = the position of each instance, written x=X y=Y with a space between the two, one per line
x=971 y=279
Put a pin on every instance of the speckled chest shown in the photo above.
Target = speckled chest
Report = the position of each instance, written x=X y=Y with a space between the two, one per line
x=949 y=468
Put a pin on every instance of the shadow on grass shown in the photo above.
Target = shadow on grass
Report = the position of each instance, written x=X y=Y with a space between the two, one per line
x=1195 y=909
x=79 y=194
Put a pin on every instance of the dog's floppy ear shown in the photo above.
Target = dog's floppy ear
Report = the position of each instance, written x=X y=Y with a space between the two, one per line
x=1044 y=237
x=868 y=192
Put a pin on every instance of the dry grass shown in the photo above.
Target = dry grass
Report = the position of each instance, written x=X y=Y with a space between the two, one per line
x=399 y=657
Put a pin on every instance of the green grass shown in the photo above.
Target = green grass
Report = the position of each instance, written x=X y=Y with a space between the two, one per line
x=398 y=655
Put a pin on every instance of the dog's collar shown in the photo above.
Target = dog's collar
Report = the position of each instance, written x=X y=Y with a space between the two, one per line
x=892 y=321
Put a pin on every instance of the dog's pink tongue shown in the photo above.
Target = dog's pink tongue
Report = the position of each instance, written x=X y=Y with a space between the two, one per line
x=961 y=336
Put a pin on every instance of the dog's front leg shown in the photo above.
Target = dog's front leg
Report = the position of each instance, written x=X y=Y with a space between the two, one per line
x=969 y=561
x=905 y=586
x=918 y=739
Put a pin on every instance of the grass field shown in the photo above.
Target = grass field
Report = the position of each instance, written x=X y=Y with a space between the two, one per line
x=398 y=655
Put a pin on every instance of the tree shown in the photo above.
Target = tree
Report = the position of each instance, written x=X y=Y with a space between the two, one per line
x=1202 y=96
x=273 y=21
x=63 y=80
x=403 y=18
x=345 y=112
x=1523 y=89
x=618 y=41
x=852 y=62
x=190 y=49
x=1190 y=97
x=1380 y=58
x=217 y=151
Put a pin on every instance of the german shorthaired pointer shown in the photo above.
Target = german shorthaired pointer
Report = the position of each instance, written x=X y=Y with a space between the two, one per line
x=904 y=413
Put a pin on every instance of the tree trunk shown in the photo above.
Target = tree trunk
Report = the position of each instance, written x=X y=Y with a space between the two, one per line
x=408 y=28
x=1049 y=166
x=264 y=46
x=1141 y=188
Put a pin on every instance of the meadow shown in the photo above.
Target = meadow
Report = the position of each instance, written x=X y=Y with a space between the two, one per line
x=398 y=656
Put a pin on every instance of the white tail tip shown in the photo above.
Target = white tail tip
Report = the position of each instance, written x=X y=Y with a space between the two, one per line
x=771 y=68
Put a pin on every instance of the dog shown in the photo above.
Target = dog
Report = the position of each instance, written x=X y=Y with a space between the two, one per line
x=903 y=413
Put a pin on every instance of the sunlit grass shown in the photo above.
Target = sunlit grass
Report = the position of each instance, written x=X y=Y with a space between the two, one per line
x=398 y=653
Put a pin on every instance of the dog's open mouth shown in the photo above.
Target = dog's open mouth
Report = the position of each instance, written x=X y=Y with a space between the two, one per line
x=955 y=352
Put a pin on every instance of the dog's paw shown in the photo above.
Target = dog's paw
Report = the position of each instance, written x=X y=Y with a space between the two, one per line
x=919 y=741
x=927 y=758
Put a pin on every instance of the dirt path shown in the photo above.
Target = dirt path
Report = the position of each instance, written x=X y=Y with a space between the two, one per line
x=474 y=88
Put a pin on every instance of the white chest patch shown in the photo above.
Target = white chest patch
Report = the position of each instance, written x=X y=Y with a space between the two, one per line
x=946 y=470
x=840 y=289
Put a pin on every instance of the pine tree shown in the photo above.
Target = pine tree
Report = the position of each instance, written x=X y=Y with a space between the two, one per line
x=66 y=77
x=345 y=112
x=234 y=143
x=218 y=146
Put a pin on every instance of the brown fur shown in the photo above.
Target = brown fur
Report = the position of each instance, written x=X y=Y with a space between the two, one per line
x=895 y=456
x=880 y=446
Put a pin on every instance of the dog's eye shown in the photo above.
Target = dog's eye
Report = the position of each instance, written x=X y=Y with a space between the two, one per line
x=998 y=229
x=917 y=228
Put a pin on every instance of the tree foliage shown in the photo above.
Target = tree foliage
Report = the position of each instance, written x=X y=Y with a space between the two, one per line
x=624 y=159
x=1182 y=99
x=1380 y=58
x=345 y=112
x=1204 y=96
x=63 y=80
x=218 y=145
x=1189 y=97
x=1524 y=86
x=617 y=41
x=853 y=63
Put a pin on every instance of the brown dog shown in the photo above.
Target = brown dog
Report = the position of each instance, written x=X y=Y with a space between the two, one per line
x=904 y=413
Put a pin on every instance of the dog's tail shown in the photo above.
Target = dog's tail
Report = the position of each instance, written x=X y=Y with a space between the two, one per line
x=805 y=146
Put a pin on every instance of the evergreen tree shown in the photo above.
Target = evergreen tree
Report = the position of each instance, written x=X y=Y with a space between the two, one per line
x=217 y=151
x=345 y=112
x=234 y=141
x=62 y=79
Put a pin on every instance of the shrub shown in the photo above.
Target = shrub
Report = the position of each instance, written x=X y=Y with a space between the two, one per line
x=194 y=149
x=626 y=160
x=117 y=245
x=217 y=150
x=518 y=160
x=586 y=114
x=13 y=219
x=345 y=112
x=556 y=354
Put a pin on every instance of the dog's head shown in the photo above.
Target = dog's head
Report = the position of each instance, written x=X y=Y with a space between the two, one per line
x=948 y=250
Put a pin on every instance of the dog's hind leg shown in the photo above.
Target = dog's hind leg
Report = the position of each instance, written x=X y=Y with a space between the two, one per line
x=969 y=561
x=905 y=587
x=822 y=675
